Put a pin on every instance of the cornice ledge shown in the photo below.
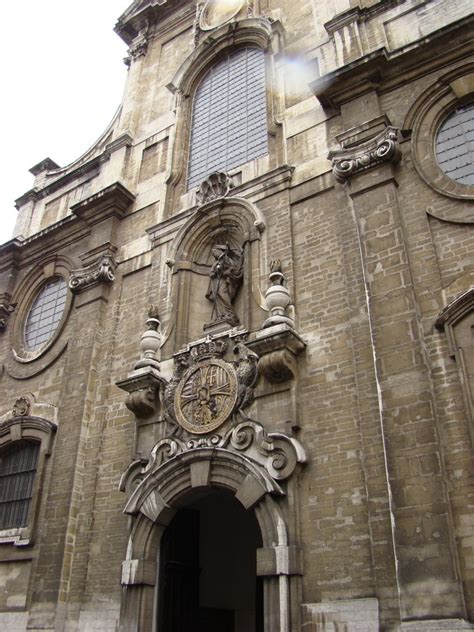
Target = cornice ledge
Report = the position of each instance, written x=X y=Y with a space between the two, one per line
x=113 y=201
x=39 y=192
x=349 y=161
x=382 y=66
x=142 y=13
x=10 y=250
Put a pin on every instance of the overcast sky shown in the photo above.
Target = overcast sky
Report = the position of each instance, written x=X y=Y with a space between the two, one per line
x=62 y=80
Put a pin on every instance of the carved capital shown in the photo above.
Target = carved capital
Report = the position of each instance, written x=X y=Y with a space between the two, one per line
x=101 y=271
x=384 y=147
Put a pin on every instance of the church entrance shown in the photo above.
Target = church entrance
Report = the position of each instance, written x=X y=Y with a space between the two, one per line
x=208 y=580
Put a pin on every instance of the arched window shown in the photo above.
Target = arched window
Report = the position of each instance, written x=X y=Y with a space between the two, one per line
x=229 y=120
x=18 y=463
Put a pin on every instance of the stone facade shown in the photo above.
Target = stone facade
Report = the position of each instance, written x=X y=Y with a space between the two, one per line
x=344 y=419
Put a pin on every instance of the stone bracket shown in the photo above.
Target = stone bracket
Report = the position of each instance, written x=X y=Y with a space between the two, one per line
x=354 y=159
x=278 y=347
x=101 y=271
x=143 y=388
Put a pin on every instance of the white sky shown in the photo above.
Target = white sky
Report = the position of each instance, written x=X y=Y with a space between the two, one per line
x=62 y=81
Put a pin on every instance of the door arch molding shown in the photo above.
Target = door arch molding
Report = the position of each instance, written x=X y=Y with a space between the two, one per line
x=158 y=494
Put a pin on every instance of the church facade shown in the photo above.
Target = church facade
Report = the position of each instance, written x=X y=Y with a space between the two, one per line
x=237 y=334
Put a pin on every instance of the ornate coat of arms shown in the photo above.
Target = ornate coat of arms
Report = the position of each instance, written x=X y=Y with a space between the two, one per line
x=206 y=389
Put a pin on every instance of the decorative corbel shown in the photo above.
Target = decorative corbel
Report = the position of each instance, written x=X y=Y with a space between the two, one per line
x=6 y=308
x=143 y=384
x=139 y=46
x=354 y=159
x=101 y=271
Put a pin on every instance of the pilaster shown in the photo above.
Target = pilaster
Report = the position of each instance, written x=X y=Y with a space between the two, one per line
x=422 y=530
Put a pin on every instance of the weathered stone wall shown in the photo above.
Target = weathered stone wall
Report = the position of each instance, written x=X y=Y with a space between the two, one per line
x=384 y=504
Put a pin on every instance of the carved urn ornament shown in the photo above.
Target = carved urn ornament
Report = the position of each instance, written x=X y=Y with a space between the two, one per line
x=143 y=384
x=277 y=297
x=150 y=342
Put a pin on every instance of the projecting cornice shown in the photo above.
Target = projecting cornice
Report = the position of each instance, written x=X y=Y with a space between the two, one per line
x=383 y=69
x=144 y=13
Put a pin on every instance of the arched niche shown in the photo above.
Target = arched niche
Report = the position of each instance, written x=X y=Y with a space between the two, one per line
x=226 y=220
x=155 y=498
x=258 y=32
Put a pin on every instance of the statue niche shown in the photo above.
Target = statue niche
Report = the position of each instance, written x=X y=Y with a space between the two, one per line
x=215 y=262
x=225 y=279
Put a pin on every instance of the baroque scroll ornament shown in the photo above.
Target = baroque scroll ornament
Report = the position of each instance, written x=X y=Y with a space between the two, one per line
x=276 y=452
x=102 y=271
x=382 y=148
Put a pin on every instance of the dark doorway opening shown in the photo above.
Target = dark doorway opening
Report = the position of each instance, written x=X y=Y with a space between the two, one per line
x=208 y=580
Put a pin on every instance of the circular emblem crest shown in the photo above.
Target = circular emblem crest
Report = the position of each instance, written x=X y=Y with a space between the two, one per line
x=206 y=396
x=218 y=12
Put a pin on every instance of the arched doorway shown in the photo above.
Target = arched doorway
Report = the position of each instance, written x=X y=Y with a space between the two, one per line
x=207 y=569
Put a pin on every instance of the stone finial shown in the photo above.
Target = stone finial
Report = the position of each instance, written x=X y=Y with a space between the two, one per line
x=150 y=341
x=277 y=297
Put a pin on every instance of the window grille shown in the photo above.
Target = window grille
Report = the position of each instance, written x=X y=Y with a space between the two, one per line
x=45 y=313
x=455 y=145
x=229 y=121
x=17 y=474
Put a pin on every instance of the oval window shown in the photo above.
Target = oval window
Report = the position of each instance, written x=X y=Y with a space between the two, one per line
x=45 y=313
x=455 y=145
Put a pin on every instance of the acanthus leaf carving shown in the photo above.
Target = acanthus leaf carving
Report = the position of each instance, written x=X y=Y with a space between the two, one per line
x=384 y=147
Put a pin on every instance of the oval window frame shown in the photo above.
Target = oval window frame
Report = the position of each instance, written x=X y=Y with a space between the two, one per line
x=24 y=298
x=425 y=120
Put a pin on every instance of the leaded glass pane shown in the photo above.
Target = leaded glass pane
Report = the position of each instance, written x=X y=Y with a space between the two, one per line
x=45 y=313
x=17 y=475
x=229 y=122
x=455 y=145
